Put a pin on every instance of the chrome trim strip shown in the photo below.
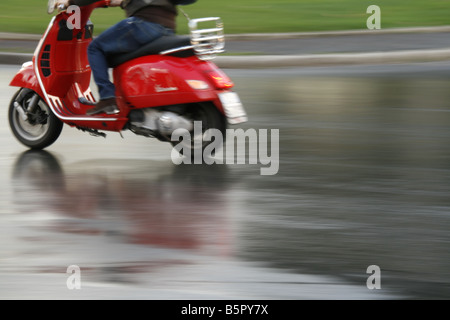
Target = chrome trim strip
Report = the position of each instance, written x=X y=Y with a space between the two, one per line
x=176 y=50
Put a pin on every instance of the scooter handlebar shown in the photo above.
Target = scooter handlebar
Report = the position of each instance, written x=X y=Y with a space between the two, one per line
x=52 y=5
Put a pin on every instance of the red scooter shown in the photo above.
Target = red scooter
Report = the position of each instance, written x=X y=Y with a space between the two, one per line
x=166 y=85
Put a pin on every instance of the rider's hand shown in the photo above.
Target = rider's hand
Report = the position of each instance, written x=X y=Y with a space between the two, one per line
x=115 y=3
x=64 y=3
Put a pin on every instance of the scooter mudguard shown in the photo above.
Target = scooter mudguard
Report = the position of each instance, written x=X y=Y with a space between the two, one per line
x=26 y=78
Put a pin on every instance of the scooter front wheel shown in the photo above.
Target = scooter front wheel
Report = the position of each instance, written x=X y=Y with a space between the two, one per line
x=31 y=120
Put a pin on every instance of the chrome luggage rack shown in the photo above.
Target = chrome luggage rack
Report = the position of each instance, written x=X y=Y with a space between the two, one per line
x=208 y=42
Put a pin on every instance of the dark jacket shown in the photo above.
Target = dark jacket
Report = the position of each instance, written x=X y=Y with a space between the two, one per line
x=133 y=6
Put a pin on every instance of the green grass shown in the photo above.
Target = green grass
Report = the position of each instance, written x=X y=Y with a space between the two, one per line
x=255 y=16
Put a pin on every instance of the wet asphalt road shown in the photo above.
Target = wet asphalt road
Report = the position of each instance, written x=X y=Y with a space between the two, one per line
x=364 y=179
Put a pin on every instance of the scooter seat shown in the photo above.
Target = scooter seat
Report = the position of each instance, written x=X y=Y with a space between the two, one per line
x=158 y=46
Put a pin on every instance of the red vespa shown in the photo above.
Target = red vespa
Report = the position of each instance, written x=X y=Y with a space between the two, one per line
x=166 y=85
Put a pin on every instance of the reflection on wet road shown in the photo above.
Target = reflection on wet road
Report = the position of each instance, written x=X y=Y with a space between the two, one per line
x=148 y=204
x=364 y=180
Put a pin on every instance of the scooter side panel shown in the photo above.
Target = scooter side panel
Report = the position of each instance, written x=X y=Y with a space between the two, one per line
x=154 y=81
x=74 y=59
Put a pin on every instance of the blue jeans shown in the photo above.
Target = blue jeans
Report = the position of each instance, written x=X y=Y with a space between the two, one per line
x=126 y=36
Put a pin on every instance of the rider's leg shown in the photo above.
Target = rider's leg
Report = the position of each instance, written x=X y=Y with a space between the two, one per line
x=126 y=36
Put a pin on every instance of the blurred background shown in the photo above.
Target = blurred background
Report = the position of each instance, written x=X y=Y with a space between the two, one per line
x=364 y=173
x=254 y=16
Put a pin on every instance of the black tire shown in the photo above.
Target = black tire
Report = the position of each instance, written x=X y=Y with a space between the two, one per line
x=42 y=127
x=211 y=118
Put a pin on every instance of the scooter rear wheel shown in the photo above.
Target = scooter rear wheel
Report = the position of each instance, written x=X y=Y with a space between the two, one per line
x=210 y=118
x=37 y=128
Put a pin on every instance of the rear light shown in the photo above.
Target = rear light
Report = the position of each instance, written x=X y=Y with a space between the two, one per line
x=220 y=79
